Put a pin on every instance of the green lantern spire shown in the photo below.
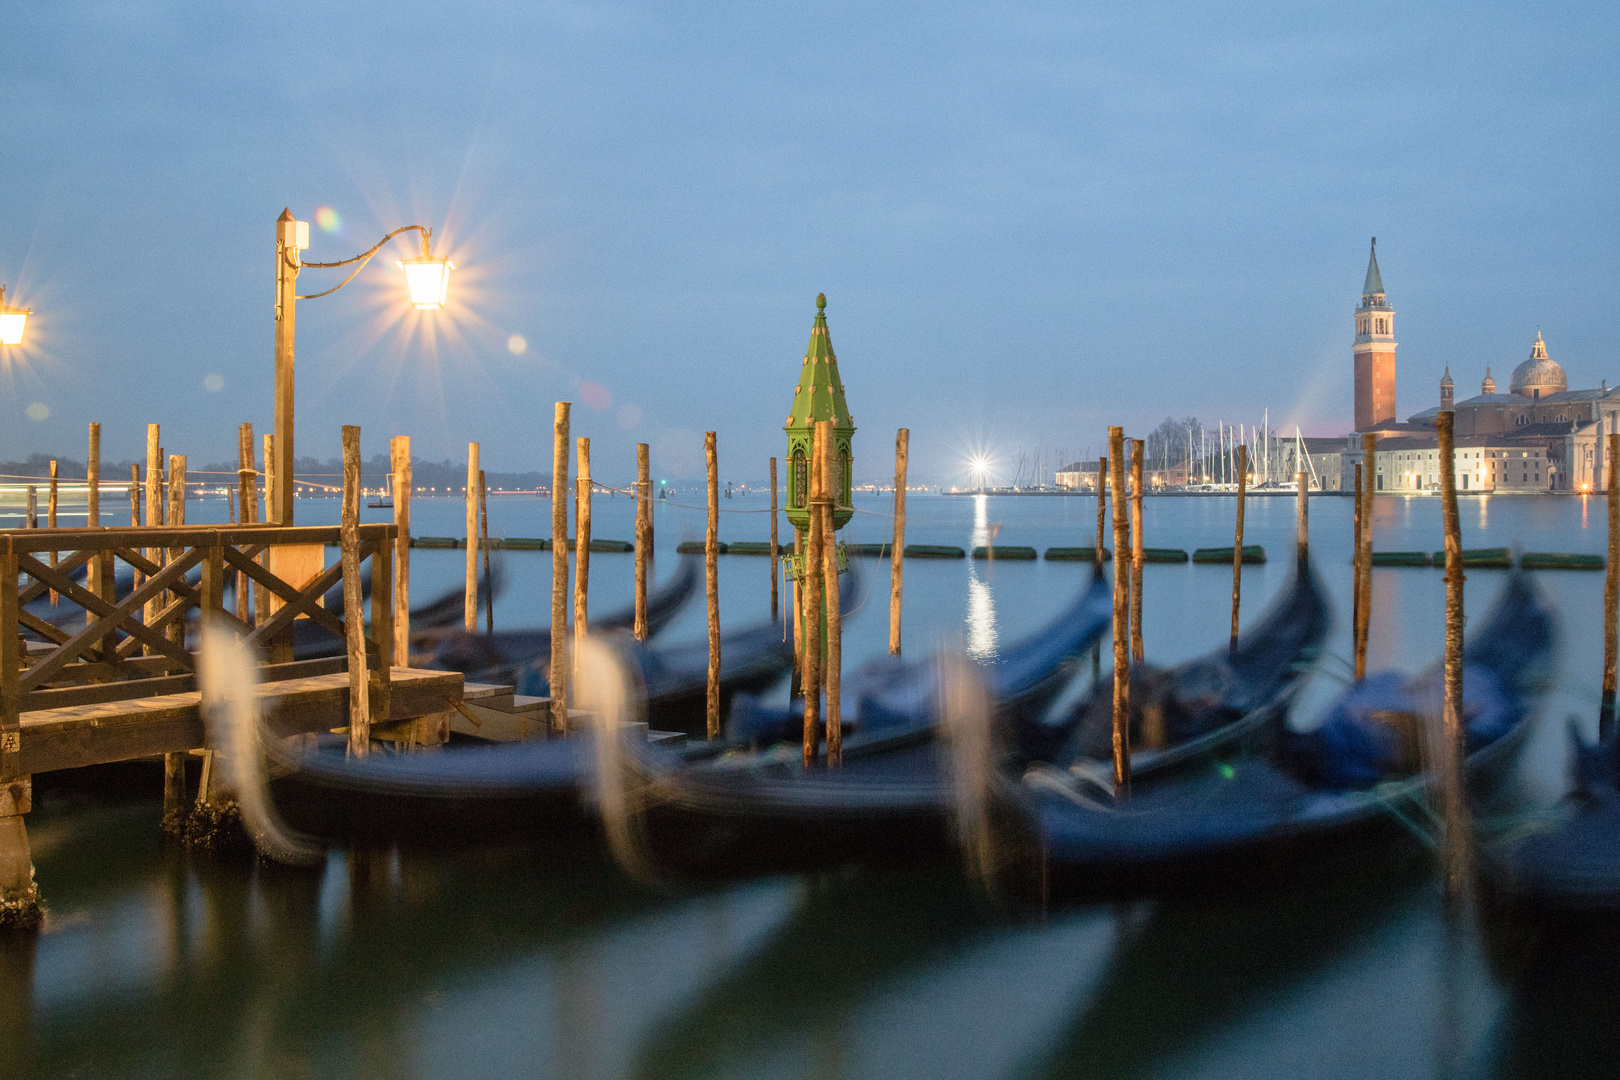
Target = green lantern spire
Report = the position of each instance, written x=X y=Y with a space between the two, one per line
x=819 y=396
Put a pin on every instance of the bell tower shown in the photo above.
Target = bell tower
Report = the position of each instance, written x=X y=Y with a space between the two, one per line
x=1374 y=351
x=1448 y=391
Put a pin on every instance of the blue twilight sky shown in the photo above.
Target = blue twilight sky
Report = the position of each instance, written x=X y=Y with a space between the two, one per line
x=1031 y=221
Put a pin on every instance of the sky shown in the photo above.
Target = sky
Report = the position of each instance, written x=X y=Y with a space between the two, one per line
x=1031 y=221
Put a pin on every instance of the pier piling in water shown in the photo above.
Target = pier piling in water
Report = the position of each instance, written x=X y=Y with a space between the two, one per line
x=469 y=606
x=558 y=675
x=582 y=539
x=1137 y=559
x=92 y=517
x=902 y=454
x=1237 y=545
x=775 y=553
x=1455 y=842
x=483 y=533
x=711 y=575
x=1611 y=596
x=1369 y=447
x=829 y=571
x=50 y=520
x=1097 y=555
x=810 y=617
x=353 y=610
x=1355 y=577
x=399 y=455
x=1302 y=524
x=643 y=536
x=1122 y=586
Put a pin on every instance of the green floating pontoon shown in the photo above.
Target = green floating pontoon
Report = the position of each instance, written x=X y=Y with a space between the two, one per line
x=1399 y=558
x=1172 y=555
x=1252 y=553
x=1017 y=553
x=435 y=542
x=1481 y=559
x=750 y=547
x=1542 y=560
x=697 y=547
x=1076 y=554
x=934 y=551
x=521 y=543
x=879 y=550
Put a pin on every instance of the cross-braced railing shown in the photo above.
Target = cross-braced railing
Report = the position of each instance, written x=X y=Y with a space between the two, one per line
x=136 y=646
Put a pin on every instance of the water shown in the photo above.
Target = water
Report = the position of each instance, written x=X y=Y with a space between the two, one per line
x=530 y=961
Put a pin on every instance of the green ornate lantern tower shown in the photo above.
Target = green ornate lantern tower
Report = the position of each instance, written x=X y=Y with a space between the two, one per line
x=819 y=396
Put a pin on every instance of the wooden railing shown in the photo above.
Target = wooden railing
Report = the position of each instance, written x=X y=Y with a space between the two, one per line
x=128 y=650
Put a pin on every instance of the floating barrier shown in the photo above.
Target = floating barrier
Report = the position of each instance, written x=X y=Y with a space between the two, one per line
x=1542 y=560
x=1076 y=554
x=1252 y=553
x=1013 y=552
x=749 y=547
x=698 y=547
x=880 y=551
x=1401 y=558
x=1165 y=555
x=933 y=551
x=435 y=542
x=1481 y=559
x=520 y=543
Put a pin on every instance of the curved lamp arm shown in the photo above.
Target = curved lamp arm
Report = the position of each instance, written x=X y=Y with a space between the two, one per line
x=365 y=257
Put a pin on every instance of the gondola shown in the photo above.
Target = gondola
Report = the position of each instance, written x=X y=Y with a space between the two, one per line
x=1316 y=795
x=1566 y=864
x=521 y=656
x=891 y=800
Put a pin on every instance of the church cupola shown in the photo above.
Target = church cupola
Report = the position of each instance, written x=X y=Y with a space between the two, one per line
x=1540 y=375
x=819 y=396
x=1447 y=392
x=1374 y=350
x=1488 y=386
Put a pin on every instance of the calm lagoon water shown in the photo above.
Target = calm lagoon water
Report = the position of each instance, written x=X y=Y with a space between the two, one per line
x=525 y=961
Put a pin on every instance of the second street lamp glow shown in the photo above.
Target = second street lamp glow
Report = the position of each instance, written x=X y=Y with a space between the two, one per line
x=428 y=279
x=12 y=321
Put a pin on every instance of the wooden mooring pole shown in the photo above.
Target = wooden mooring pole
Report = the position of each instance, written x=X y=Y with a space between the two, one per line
x=582 y=539
x=399 y=459
x=1455 y=842
x=1122 y=600
x=469 y=606
x=1137 y=560
x=483 y=534
x=711 y=584
x=354 y=620
x=92 y=519
x=775 y=552
x=1355 y=577
x=897 y=549
x=50 y=523
x=247 y=478
x=154 y=516
x=559 y=569
x=1097 y=555
x=1237 y=544
x=829 y=571
x=1302 y=519
x=1611 y=596
x=810 y=617
x=1369 y=448
x=643 y=535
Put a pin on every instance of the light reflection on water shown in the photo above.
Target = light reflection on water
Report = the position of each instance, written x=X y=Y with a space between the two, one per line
x=517 y=961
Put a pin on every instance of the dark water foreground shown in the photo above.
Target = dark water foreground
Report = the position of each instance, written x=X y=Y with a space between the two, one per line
x=524 y=961
x=528 y=961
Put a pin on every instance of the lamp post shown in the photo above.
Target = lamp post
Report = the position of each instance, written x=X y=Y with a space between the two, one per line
x=12 y=321
x=427 y=278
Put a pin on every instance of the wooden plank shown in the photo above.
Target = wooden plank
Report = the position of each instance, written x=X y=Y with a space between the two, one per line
x=30 y=541
x=95 y=734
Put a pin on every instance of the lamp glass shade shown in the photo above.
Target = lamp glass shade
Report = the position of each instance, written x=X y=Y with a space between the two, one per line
x=429 y=281
x=12 y=322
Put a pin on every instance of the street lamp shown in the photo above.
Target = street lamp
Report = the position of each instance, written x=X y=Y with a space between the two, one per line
x=427 y=278
x=12 y=321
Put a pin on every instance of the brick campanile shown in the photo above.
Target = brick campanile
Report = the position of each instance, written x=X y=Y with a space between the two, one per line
x=1375 y=351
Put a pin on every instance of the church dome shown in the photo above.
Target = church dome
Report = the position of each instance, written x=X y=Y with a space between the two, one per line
x=1539 y=376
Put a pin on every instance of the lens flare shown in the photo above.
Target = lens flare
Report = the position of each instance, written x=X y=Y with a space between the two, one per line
x=328 y=219
x=213 y=382
x=38 y=411
x=595 y=396
x=517 y=344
